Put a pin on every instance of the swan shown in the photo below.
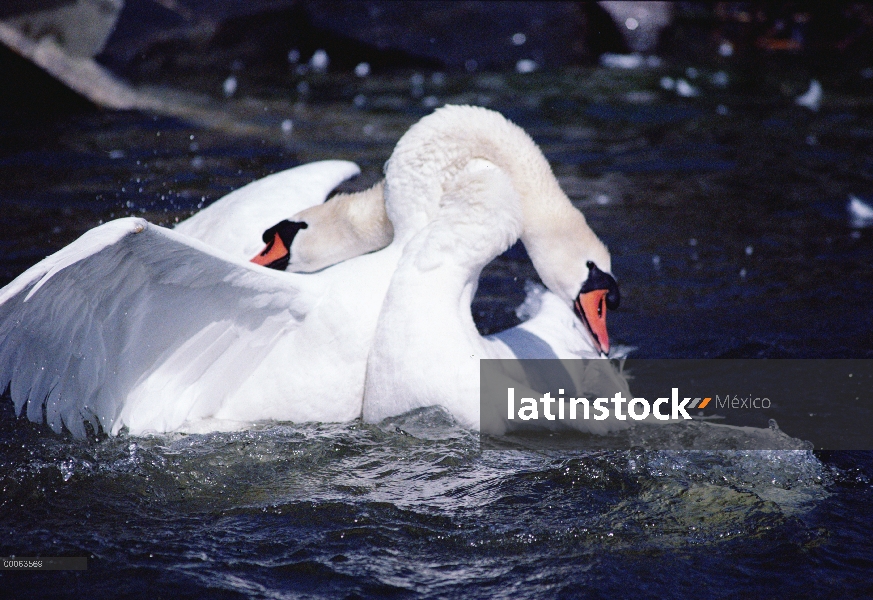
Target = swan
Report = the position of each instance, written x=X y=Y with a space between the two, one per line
x=417 y=361
x=319 y=234
x=569 y=257
x=138 y=326
x=154 y=330
x=322 y=234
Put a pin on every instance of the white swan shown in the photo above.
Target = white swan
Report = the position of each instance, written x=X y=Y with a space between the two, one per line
x=141 y=327
x=234 y=223
x=319 y=234
x=573 y=263
x=426 y=349
x=137 y=326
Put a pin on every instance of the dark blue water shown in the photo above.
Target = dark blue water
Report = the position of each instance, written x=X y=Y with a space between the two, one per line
x=730 y=238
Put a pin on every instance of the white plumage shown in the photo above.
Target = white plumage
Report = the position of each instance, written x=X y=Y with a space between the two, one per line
x=137 y=326
x=426 y=349
x=235 y=222
x=134 y=325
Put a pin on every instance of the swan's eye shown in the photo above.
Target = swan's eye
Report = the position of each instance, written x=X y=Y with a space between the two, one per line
x=598 y=280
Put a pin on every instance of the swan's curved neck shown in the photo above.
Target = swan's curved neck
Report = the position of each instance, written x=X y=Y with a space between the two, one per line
x=426 y=347
x=556 y=235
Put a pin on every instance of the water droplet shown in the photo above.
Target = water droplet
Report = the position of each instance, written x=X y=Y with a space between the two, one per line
x=363 y=69
x=229 y=86
x=720 y=79
x=525 y=65
x=320 y=61
x=685 y=89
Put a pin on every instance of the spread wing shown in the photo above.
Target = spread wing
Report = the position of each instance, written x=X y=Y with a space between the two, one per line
x=127 y=304
x=236 y=222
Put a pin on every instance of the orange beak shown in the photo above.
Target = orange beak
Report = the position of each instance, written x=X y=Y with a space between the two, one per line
x=275 y=255
x=591 y=308
x=278 y=238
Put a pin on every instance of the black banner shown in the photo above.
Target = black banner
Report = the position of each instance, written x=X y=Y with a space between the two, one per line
x=44 y=563
x=680 y=404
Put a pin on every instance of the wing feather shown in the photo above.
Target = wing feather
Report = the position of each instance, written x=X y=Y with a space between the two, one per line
x=136 y=325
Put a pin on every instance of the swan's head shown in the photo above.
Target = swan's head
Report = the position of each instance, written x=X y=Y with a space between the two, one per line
x=303 y=244
x=280 y=240
x=346 y=226
x=598 y=293
x=575 y=265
